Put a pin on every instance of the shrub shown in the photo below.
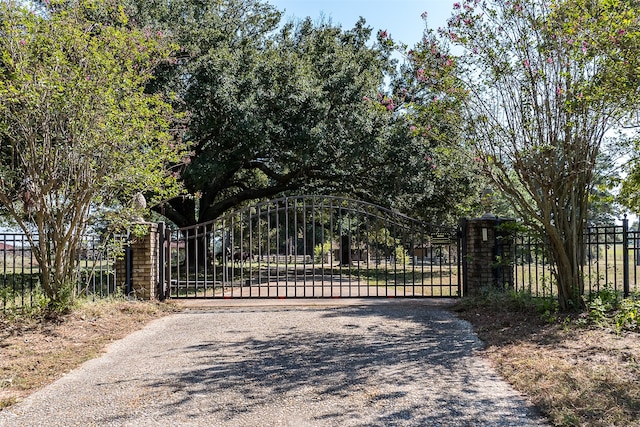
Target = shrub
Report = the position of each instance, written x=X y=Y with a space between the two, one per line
x=607 y=308
x=322 y=252
x=400 y=255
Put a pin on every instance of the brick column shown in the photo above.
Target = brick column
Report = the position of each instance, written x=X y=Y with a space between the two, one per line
x=144 y=264
x=487 y=255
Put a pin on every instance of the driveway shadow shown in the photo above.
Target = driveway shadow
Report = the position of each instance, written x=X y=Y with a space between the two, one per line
x=380 y=365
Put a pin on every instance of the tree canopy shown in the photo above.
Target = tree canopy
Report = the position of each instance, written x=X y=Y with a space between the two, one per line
x=429 y=96
x=292 y=107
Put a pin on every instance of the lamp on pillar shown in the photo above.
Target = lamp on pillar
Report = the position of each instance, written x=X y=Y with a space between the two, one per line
x=487 y=198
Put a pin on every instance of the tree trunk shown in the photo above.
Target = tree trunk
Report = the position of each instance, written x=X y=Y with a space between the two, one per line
x=197 y=251
x=345 y=250
x=568 y=260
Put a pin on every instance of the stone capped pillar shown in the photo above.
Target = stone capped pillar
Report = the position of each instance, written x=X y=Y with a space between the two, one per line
x=143 y=265
x=488 y=253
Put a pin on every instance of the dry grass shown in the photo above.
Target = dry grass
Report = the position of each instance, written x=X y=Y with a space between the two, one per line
x=576 y=375
x=37 y=351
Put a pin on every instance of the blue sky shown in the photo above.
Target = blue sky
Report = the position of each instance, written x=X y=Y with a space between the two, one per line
x=401 y=18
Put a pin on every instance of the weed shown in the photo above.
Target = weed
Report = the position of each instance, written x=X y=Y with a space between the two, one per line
x=509 y=300
x=322 y=252
x=626 y=317
x=607 y=308
x=6 y=402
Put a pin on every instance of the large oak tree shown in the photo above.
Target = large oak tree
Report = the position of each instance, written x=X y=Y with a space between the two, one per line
x=293 y=107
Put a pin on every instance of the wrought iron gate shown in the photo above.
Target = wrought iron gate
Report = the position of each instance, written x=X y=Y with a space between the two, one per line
x=311 y=247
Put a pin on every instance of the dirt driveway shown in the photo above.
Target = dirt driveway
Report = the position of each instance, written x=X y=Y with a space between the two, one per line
x=276 y=363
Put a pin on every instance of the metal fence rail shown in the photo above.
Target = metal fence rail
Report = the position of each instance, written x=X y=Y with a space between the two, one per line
x=318 y=247
x=611 y=257
x=19 y=279
x=20 y=273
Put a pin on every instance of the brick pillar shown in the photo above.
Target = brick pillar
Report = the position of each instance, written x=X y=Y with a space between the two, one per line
x=487 y=255
x=144 y=264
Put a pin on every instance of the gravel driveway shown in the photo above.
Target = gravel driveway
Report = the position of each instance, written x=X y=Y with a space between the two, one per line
x=325 y=363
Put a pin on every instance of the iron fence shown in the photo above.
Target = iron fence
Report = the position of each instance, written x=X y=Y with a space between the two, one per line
x=20 y=272
x=289 y=245
x=309 y=247
x=611 y=259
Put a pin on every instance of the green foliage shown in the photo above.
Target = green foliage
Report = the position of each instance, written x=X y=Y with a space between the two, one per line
x=442 y=177
x=322 y=252
x=14 y=299
x=627 y=316
x=78 y=133
x=64 y=298
x=401 y=256
x=543 y=87
x=270 y=111
x=547 y=307
x=599 y=304
x=139 y=230
x=604 y=205
x=607 y=308
x=609 y=37
x=630 y=186
x=299 y=109
x=511 y=228
x=508 y=300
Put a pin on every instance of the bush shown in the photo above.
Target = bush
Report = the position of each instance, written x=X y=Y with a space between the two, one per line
x=627 y=316
x=322 y=252
x=607 y=308
x=400 y=255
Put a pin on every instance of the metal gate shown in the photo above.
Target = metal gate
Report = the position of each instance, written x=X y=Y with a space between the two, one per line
x=312 y=247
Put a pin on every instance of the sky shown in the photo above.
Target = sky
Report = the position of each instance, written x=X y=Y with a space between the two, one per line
x=400 y=18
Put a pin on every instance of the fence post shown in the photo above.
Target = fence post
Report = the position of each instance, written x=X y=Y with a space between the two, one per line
x=625 y=255
x=487 y=253
x=140 y=266
x=128 y=267
x=162 y=285
x=462 y=258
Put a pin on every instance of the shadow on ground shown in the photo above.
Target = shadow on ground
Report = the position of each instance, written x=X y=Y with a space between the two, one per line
x=377 y=365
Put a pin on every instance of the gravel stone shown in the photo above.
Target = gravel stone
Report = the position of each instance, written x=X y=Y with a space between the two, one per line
x=362 y=363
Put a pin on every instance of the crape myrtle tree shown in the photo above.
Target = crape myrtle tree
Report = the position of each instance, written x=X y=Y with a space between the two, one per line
x=546 y=80
x=614 y=31
x=77 y=131
x=420 y=169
